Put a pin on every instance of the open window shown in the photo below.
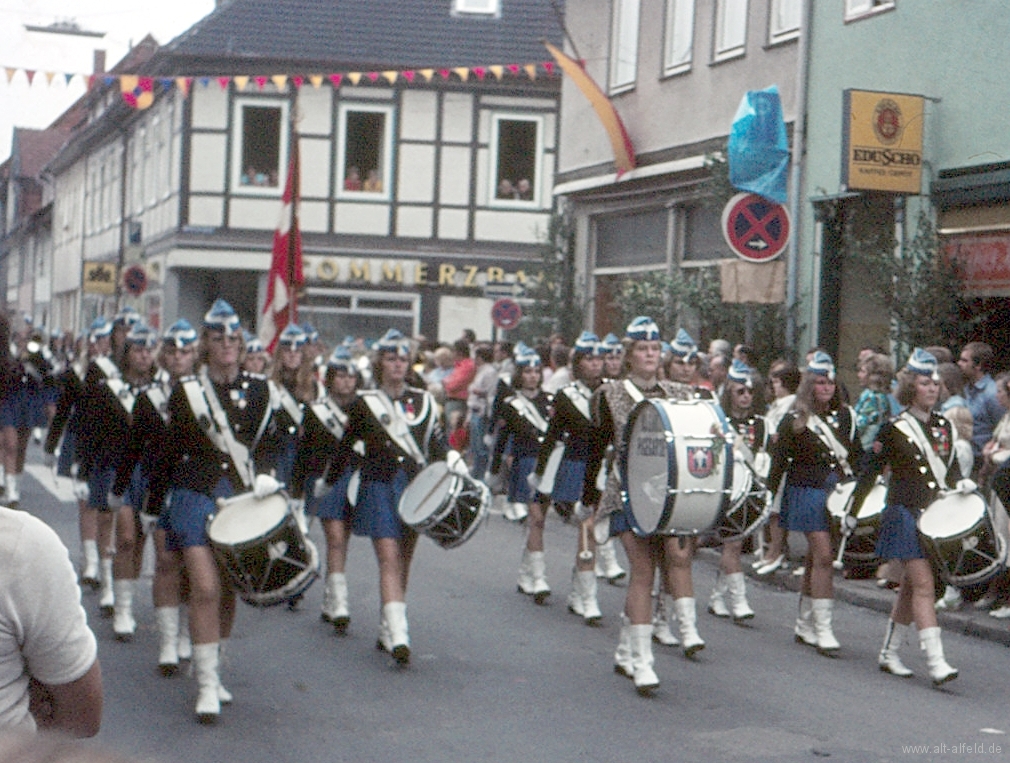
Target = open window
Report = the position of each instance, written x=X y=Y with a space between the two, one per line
x=516 y=154
x=364 y=151
x=260 y=146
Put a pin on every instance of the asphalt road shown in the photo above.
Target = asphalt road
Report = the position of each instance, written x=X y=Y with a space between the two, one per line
x=496 y=678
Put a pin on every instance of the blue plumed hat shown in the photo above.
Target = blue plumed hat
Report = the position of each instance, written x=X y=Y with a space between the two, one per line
x=587 y=344
x=741 y=373
x=642 y=329
x=100 y=327
x=311 y=335
x=142 y=335
x=127 y=316
x=222 y=317
x=393 y=341
x=612 y=344
x=525 y=356
x=821 y=365
x=292 y=337
x=341 y=360
x=684 y=346
x=923 y=363
x=180 y=334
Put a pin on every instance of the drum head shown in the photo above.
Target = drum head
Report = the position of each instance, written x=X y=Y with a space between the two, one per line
x=952 y=515
x=649 y=467
x=743 y=480
x=246 y=518
x=425 y=498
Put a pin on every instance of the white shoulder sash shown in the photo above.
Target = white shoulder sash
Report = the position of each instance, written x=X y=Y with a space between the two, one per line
x=394 y=421
x=330 y=416
x=525 y=408
x=823 y=431
x=210 y=416
x=910 y=426
x=577 y=394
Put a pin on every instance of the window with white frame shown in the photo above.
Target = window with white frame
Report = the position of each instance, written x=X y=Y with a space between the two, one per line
x=855 y=9
x=477 y=7
x=516 y=154
x=365 y=150
x=730 y=29
x=260 y=145
x=624 y=45
x=784 y=20
x=679 y=36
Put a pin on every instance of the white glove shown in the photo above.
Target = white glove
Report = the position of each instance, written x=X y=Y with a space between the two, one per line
x=114 y=501
x=320 y=488
x=488 y=440
x=148 y=522
x=582 y=512
x=966 y=486
x=298 y=510
x=533 y=480
x=265 y=485
x=81 y=491
x=455 y=462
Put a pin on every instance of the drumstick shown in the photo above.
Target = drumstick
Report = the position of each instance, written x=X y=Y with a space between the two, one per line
x=585 y=555
x=838 y=563
x=436 y=486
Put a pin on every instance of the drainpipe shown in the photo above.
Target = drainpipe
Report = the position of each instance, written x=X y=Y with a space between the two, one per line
x=796 y=171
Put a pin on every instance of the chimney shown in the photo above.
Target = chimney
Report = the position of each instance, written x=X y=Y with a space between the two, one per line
x=99 y=62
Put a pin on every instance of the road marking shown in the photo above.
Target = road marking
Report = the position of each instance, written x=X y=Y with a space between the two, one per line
x=60 y=487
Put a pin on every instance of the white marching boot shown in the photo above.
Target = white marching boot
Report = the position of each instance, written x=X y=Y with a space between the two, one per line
x=12 y=493
x=575 y=605
x=939 y=669
x=643 y=675
x=515 y=511
x=525 y=582
x=395 y=615
x=107 y=600
x=335 y=602
x=739 y=607
x=623 y=663
x=687 y=616
x=827 y=644
x=607 y=565
x=717 y=601
x=888 y=659
x=590 y=606
x=123 y=624
x=205 y=665
x=662 y=615
x=167 y=619
x=89 y=575
x=538 y=571
x=804 y=630
x=223 y=695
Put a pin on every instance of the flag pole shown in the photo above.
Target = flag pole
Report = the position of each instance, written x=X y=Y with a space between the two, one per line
x=296 y=186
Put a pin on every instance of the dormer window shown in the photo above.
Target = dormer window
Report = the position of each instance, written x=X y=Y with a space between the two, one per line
x=476 y=7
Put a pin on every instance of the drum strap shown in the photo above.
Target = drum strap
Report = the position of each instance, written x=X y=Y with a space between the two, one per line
x=213 y=420
x=158 y=396
x=331 y=417
x=910 y=426
x=123 y=392
x=107 y=367
x=823 y=431
x=634 y=392
x=286 y=400
x=527 y=410
x=392 y=419
x=579 y=394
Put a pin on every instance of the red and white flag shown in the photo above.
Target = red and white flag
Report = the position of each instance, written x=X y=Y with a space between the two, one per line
x=286 y=274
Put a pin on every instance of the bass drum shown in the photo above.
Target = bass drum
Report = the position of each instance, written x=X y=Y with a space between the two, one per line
x=861 y=547
x=445 y=505
x=962 y=540
x=677 y=468
x=262 y=549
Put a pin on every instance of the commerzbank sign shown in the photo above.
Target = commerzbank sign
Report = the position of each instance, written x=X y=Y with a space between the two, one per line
x=882 y=141
x=416 y=273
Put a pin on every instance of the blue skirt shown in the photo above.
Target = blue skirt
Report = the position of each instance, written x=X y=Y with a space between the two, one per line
x=186 y=517
x=137 y=489
x=899 y=534
x=333 y=504
x=376 y=515
x=568 y=482
x=23 y=408
x=519 y=490
x=805 y=509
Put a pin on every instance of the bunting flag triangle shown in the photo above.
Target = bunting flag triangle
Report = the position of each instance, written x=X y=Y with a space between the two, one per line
x=297 y=81
x=336 y=79
x=497 y=70
x=183 y=83
x=9 y=71
x=373 y=76
x=280 y=81
x=223 y=82
x=409 y=76
x=427 y=74
x=480 y=71
x=390 y=76
x=354 y=77
x=514 y=69
x=316 y=80
x=260 y=81
x=531 y=70
x=462 y=72
x=241 y=81
x=49 y=77
x=67 y=78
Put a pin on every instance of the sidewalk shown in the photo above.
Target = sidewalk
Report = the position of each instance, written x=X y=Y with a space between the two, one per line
x=866 y=593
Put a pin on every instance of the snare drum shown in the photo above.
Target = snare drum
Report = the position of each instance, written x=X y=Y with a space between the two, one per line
x=861 y=547
x=677 y=469
x=747 y=510
x=263 y=551
x=961 y=539
x=445 y=505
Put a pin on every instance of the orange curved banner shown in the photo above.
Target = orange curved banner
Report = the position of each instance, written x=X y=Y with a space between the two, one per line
x=624 y=153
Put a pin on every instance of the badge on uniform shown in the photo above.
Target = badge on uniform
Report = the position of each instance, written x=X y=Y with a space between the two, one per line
x=384 y=419
x=204 y=422
x=238 y=397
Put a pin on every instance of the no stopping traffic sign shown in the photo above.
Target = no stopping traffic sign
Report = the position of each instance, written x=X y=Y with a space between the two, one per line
x=755 y=228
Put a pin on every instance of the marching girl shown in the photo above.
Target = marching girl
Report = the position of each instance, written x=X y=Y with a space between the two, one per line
x=220 y=441
x=292 y=385
x=525 y=416
x=400 y=428
x=816 y=444
x=612 y=404
x=319 y=456
x=147 y=438
x=561 y=469
x=66 y=424
x=257 y=359
x=110 y=416
x=917 y=445
x=739 y=406
x=607 y=566
x=24 y=409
